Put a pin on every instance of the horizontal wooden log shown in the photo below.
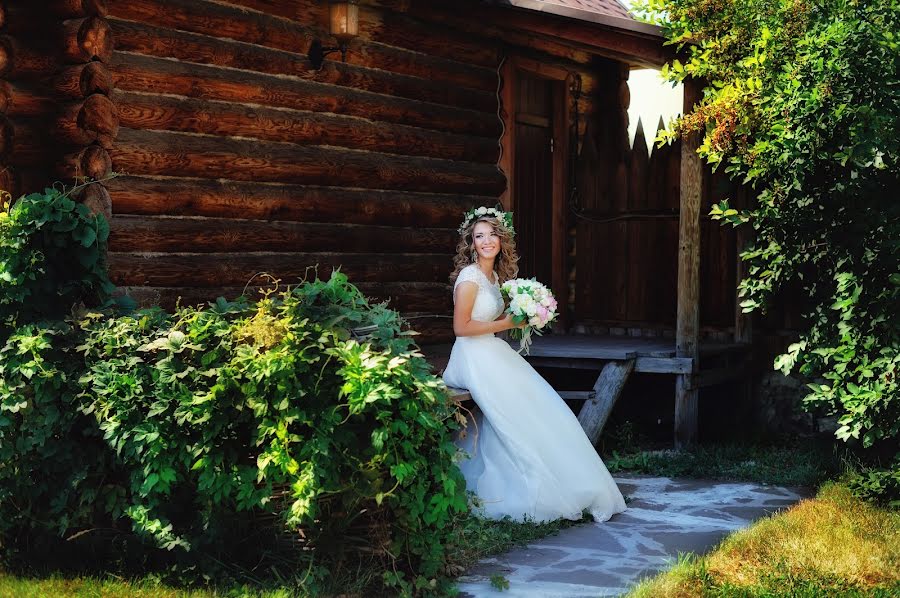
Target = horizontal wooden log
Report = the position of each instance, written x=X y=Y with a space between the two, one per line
x=71 y=9
x=92 y=162
x=9 y=181
x=430 y=328
x=19 y=60
x=180 y=154
x=95 y=120
x=153 y=111
x=23 y=142
x=179 y=233
x=26 y=99
x=133 y=72
x=29 y=178
x=239 y=199
x=264 y=28
x=82 y=80
x=227 y=269
x=97 y=199
x=87 y=39
x=384 y=25
x=19 y=13
x=6 y=93
x=422 y=297
x=542 y=47
x=142 y=38
x=399 y=30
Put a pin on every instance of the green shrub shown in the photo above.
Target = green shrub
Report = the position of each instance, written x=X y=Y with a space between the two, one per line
x=218 y=430
x=209 y=413
x=51 y=257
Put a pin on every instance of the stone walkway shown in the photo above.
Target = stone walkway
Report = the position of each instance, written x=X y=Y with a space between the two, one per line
x=664 y=518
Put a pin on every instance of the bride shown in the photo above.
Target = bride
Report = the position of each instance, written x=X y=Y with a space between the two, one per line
x=528 y=456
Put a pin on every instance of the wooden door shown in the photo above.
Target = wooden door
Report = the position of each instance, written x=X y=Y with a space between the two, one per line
x=533 y=171
x=538 y=185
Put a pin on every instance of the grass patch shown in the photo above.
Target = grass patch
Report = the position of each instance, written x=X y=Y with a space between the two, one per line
x=831 y=545
x=474 y=540
x=85 y=587
x=785 y=463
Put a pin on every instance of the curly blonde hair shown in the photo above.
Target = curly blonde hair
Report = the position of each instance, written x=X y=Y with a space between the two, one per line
x=506 y=264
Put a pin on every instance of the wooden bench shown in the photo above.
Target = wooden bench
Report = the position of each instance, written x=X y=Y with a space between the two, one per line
x=616 y=357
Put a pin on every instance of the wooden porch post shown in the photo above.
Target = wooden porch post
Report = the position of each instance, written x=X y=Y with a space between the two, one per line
x=688 y=324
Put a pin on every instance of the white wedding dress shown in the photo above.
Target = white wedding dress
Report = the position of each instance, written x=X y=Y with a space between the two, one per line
x=528 y=456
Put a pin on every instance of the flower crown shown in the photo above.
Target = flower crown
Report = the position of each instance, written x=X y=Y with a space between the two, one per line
x=475 y=213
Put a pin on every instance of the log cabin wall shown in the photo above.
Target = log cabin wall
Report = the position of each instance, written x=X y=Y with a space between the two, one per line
x=241 y=159
x=57 y=118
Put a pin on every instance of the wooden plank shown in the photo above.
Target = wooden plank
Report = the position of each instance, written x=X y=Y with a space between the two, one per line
x=640 y=49
x=226 y=269
x=688 y=315
x=607 y=389
x=146 y=39
x=461 y=394
x=134 y=72
x=664 y=365
x=181 y=154
x=222 y=198
x=141 y=110
x=403 y=296
x=643 y=365
x=209 y=235
x=558 y=345
x=577 y=395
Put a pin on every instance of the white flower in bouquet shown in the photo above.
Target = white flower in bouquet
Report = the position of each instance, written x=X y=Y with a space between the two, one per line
x=530 y=303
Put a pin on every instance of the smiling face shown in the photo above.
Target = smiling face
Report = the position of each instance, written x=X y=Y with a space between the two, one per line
x=486 y=240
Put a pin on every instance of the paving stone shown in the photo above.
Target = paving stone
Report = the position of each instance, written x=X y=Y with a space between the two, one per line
x=584 y=577
x=697 y=542
x=535 y=557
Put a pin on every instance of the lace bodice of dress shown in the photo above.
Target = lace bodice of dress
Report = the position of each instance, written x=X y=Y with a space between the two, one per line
x=488 y=302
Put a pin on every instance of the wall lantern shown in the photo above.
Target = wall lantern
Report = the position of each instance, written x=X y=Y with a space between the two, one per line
x=343 y=24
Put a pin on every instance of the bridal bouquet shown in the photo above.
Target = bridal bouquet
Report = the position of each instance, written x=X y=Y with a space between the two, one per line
x=529 y=302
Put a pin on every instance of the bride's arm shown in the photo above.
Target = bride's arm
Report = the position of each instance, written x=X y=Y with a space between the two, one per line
x=463 y=324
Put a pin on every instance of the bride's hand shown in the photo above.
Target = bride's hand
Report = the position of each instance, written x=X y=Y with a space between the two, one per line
x=510 y=324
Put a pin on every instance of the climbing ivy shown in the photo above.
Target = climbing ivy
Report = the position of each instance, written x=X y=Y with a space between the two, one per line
x=51 y=256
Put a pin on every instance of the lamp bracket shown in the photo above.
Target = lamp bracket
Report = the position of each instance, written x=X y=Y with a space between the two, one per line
x=318 y=52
